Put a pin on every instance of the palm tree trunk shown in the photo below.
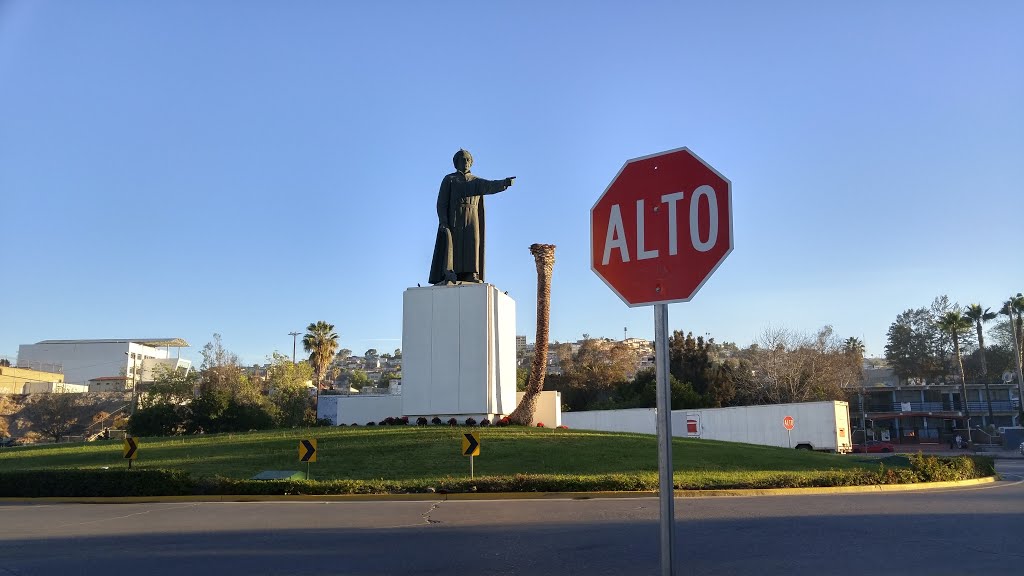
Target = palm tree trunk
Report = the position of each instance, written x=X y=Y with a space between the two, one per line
x=963 y=385
x=544 y=257
x=316 y=401
x=1020 y=348
x=984 y=373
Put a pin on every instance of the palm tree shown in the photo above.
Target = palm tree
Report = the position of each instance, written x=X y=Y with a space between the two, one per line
x=544 y=257
x=853 y=353
x=853 y=346
x=1015 y=307
x=979 y=316
x=321 y=342
x=954 y=323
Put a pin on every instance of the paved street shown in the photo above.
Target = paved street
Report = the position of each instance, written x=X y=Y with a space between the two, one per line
x=971 y=530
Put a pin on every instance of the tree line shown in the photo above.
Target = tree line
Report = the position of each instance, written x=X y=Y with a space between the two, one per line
x=223 y=397
x=782 y=366
x=945 y=342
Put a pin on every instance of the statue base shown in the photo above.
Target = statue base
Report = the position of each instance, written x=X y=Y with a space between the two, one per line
x=458 y=352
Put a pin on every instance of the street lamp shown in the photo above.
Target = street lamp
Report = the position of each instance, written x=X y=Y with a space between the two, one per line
x=294 y=335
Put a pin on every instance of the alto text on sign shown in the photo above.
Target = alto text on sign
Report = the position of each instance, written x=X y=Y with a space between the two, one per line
x=661 y=228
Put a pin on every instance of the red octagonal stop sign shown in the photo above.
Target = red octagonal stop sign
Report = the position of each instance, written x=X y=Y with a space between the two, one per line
x=661 y=228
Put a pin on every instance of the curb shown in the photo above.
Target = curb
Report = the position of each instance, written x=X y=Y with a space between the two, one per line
x=468 y=496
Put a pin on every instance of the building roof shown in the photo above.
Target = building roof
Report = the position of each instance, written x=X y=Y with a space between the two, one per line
x=154 y=342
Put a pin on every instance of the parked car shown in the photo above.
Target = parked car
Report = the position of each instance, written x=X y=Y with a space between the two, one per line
x=874 y=446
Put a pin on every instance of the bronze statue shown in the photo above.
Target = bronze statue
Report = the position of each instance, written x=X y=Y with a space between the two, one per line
x=459 y=248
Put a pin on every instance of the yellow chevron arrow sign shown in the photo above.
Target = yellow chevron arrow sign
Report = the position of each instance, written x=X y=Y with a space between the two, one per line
x=131 y=448
x=470 y=444
x=307 y=450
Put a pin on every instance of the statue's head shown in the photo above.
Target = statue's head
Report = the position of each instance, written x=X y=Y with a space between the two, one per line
x=462 y=160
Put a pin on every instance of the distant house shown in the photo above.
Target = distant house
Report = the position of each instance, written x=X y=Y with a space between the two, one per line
x=110 y=384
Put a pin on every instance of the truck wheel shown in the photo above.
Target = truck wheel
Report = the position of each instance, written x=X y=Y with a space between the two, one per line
x=803 y=447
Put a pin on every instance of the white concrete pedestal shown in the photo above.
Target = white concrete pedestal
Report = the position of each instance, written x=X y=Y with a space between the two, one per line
x=458 y=352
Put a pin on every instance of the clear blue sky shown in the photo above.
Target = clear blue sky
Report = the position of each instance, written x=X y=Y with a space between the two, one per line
x=190 y=167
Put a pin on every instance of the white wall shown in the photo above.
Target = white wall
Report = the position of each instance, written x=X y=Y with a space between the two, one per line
x=358 y=409
x=640 y=420
x=549 y=408
x=152 y=367
x=54 y=387
x=503 y=390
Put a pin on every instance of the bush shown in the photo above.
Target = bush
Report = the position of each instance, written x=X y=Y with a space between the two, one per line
x=403 y=421
x=932 y=469
x=421 y=421
x=485 y=422
x=355 y=424
x=96 y=483
x=389 y=421
x=540 y=424
x=503 y=422
x=470 y=421
x=371 y=423
x=382 y=423
x=157 y=420
x=453 y=422
x=243 y=416
x=436 y=421
x=563 y=427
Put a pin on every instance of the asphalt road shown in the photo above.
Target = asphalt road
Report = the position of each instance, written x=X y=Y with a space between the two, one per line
x=971 y=530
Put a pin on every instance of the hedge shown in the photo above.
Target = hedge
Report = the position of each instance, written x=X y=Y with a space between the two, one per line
x=95 y=483
x=155 y=482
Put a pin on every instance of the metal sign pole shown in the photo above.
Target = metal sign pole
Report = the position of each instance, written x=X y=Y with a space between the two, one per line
x=471 y=466
x=666 y=490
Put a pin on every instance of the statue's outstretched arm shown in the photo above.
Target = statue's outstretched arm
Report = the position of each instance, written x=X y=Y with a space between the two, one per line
x=493 y=186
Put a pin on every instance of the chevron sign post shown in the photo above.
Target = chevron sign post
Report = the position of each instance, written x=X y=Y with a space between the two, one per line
x=307 y=452
x=131 y=450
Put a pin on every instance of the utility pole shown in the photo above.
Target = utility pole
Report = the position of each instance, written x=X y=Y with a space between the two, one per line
x=134 y=385
x=294 y=335
x=863 y=418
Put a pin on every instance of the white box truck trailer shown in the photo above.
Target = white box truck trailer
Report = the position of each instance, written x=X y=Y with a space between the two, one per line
x=823 y=426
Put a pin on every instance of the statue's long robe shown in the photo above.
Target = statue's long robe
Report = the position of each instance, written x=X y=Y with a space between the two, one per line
x=459 y=247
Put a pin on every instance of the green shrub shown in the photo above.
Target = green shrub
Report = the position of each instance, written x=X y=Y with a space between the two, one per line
x=94 y=483
x=932 y=469
x=157 y=420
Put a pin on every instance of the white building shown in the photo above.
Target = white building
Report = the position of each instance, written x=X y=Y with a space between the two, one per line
x=520 y=344
x=83 y=360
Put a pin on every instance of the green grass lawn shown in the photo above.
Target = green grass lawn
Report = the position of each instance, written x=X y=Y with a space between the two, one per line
x=432 y=454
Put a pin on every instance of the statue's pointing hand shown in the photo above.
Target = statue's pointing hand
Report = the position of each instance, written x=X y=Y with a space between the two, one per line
x=510 y=181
